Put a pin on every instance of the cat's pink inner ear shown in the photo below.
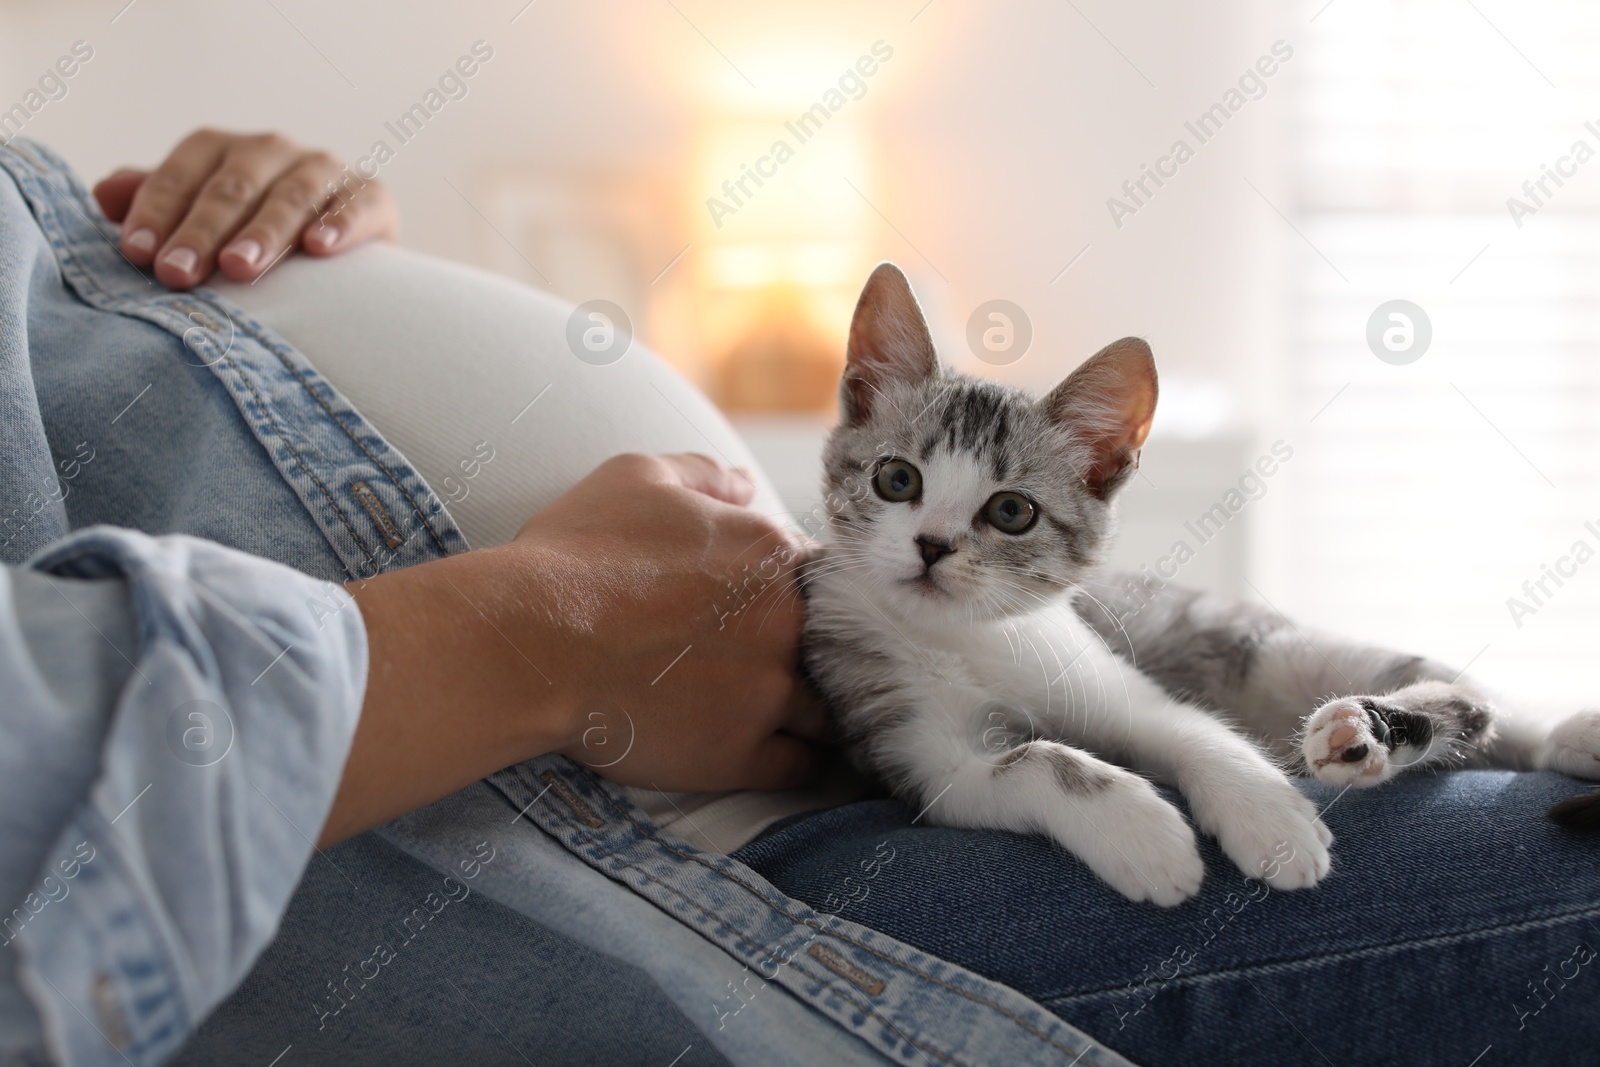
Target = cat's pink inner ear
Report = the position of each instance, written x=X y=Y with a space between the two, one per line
x=1108 y=404
x=889 y=342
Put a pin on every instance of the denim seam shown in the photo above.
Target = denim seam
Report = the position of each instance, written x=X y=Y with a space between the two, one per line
x=824 y=982
x=280 y=433
x=82 y=278
x=1304 y=962
x=415 y=507
x=66 y=257
x=741 y=937
x=80 y=275
x=651 y=835
x=21 y=150
x=256 y=332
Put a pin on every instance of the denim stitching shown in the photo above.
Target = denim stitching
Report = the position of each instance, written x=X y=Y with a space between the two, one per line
x=254 y=332
x=743 y=938
x=1348 y=954
x=753 y=891
x=821 y=980
x=68 y=262
x=652 y=836
x=81 y=275
x=284 y=440
x=373 y=506
x=415 y=507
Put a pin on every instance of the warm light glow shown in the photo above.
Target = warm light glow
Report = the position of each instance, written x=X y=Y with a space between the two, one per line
x=768 y=179
x=786 y=75
x=781 y=224
x=775 y=203
x=760 y=265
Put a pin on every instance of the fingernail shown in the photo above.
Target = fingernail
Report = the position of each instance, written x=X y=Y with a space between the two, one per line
x=248 y=250
x=141 y=240
x=181 y=259
x=323 y=238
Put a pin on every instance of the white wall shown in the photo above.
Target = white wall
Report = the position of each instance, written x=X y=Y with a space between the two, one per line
x=1000 y=129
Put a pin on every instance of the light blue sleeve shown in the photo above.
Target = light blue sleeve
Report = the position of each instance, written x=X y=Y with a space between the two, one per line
x=174 y=720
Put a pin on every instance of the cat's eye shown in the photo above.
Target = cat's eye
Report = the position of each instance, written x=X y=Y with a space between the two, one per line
x=898 y=481
x=1010 y=513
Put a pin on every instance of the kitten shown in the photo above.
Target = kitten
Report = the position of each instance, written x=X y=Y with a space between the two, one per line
x=977 y=664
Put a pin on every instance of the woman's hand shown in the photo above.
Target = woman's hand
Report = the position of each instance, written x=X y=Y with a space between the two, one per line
x=645 y=624
x=678 y=627
x=240 y=203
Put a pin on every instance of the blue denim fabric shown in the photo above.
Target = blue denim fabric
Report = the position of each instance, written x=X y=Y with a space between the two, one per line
x=911 y=1005
x=1457 y=919
x=406 y=967
x=188 y=850
x=697 y=955
x=152 y=838
x=540 y=918
x=199 y=421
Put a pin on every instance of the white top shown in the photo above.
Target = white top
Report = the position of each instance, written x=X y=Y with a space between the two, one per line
x=453 y=364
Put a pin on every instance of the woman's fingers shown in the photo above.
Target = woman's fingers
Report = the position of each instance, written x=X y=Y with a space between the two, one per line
x=293 y=200
x=224 y=202
x=703 y=474
x=163 y=198
x=363 y=211
x=115 y=192
x=241 y=202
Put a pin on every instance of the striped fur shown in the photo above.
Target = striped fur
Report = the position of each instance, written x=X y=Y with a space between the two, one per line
x=1000 y=681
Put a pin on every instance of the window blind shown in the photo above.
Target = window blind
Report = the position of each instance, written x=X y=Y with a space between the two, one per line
x=1451 y=505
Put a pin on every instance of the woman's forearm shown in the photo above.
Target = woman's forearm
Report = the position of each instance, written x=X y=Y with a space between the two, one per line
x=450 y=698
x=595 y=634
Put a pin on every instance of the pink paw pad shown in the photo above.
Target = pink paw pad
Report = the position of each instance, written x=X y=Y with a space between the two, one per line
x=1339 y=746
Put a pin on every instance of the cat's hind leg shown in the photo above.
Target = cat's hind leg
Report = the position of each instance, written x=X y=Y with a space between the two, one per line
x=1365 y=740
x=1264 y=671
x=1573 y=746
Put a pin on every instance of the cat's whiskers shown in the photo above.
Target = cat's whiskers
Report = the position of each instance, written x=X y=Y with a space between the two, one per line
x=1132 y=655
x=834 y=566
x=1014 y=594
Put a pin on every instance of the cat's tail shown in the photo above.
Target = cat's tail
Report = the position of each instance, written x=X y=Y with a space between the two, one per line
x=1581 y=812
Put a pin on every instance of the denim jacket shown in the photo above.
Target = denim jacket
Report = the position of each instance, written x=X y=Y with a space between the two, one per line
x=181 y=495
x=154 y=828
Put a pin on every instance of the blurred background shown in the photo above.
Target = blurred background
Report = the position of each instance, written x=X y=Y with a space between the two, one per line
x=1337 y=155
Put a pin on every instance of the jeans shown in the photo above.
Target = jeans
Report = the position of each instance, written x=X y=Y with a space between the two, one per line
x=644 y=949
x=1458 y=922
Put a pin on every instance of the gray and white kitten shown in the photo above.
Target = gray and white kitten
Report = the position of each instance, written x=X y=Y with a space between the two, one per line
x=976 y=662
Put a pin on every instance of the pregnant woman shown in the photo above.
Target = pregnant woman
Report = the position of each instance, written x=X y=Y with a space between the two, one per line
x=312 y=551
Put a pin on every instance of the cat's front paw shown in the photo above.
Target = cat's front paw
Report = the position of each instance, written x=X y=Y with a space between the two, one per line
x=1574 y=746
x=1138 y=843
x=1272 y=832
x=1341 y=747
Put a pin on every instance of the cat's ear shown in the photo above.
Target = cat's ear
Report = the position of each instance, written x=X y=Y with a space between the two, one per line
x=889 y=342
x=1107 y=404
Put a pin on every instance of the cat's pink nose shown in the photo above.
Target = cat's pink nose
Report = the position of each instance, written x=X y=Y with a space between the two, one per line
x=933 y=550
